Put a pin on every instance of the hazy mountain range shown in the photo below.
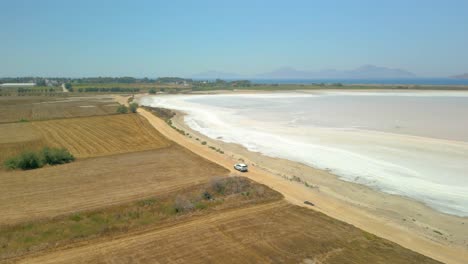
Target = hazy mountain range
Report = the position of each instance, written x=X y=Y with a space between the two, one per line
x=363 y=72
x=461 y=76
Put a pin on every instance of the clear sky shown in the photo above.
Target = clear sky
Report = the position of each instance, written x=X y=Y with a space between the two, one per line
x=180 y=38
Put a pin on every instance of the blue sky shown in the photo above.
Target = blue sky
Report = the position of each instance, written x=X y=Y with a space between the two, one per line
x=169 y=38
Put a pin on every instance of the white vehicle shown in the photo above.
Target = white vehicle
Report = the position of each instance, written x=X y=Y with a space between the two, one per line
x=241 y=167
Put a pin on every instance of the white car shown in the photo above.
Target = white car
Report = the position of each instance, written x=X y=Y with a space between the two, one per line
x=241 y=167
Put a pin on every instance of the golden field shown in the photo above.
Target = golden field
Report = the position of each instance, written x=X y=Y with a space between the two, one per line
x=17 y=108
x=83 y=137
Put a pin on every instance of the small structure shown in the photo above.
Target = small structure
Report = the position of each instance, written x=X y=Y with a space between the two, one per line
x=16 y=85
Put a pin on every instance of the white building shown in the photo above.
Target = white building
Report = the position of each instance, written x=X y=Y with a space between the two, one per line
x=15 y=85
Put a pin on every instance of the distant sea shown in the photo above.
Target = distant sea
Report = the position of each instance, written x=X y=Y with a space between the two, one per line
x=403 y=81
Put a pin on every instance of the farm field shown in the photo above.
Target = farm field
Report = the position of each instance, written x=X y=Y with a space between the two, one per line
x=214 y=196
x=16 y=108
x=83 y=137
x=102 y=135
x=16 y=138
x=123 y=85
x=272 y=232
x=99 y=182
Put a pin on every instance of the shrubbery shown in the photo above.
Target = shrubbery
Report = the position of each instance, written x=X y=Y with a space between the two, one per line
x=133 y=107
x=122 y=109
x=53 y=156
x=33 y=160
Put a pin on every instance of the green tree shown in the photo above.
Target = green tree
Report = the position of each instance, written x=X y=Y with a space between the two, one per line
x=152 y=91
x=133 y=107
x=69 y=87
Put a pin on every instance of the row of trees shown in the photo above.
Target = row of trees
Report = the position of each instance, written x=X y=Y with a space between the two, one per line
x=219 y=84
x=113 y=89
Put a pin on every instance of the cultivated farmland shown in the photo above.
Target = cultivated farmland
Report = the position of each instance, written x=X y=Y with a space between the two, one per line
x=19 y=137
x=83 y=137
x=102 y=135
x=99 y=182
x=16 y=108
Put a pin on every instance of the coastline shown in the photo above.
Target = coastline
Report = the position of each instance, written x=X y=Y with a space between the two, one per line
x=399 y=219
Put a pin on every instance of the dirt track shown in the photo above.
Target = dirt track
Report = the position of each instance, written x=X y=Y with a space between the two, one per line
x=273 y=232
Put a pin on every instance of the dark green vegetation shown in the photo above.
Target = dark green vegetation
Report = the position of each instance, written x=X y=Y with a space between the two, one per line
x=108 y=90
x=133 y=107
x=29 y=160
x=122 y=109
x=217 y=195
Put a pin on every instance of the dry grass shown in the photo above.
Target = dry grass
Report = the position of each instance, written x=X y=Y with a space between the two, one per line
x=101 y=135
x=99 y=182
x=83 y=137
x=274 y=232
x=36 y=236
x=15 y=108
x=19 y=137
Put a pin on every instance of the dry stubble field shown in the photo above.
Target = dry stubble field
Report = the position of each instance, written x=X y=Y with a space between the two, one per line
x=83 y=137
x=15 y=108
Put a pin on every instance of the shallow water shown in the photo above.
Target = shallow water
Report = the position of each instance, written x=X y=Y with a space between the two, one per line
x=411 y=144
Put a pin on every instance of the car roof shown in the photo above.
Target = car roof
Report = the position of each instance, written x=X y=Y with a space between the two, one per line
x=242 y=164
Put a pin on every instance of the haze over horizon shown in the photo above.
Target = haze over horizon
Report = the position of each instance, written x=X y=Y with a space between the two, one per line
x=156 y=38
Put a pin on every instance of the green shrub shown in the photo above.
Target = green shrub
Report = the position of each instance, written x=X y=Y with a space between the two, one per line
x=203 y=143
x=11 y=163
x=122 y=109
x=29 y=161
x=152 y=91
x=33 y=160
x=53 y=156
x=133 y=107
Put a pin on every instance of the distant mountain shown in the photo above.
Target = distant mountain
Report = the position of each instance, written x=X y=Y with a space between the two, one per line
x=461 y=76
x=284 y=73
x=372 y=71
x=216 y=75
x=364 y=72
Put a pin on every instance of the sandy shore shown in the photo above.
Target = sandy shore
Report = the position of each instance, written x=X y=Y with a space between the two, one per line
x=401 y=220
